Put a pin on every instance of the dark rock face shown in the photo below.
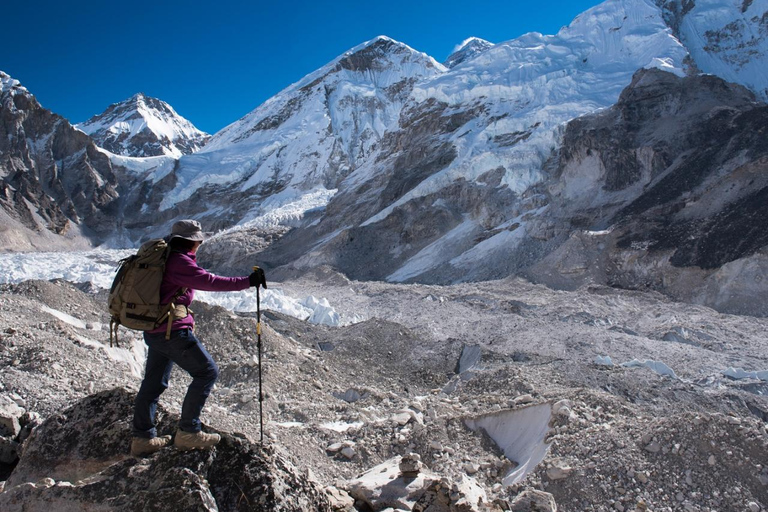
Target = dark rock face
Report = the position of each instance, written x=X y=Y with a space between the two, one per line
x=708 y=141
x=78 y=460
x=678 y=170
x=52 y=176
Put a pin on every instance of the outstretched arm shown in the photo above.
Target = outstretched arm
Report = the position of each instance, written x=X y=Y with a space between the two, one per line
x=184 y=271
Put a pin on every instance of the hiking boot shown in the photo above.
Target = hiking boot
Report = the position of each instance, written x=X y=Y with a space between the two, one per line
x=141 y=446
x=193 y=440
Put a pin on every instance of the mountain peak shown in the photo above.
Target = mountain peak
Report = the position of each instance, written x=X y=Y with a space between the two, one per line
x=472 y=42
x=144 y=126
x=372 y=55
x=7 y=83
x=467 y=50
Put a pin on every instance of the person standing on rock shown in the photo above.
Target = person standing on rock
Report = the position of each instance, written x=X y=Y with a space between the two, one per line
x=182 y=277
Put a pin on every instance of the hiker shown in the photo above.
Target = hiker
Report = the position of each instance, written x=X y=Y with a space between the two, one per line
x=182 y=277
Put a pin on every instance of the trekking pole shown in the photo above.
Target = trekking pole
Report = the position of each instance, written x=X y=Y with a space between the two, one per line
x=258 y=337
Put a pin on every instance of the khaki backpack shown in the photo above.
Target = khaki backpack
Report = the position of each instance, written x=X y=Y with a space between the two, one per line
x=134 y=298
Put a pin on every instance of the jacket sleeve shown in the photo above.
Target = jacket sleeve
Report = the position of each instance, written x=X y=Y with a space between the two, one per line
x=183 y=271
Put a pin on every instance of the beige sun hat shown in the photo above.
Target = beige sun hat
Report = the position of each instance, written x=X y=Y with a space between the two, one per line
x=189 y=229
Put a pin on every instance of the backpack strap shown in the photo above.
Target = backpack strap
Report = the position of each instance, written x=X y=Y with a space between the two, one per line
x=113 y=325
x=172 y=312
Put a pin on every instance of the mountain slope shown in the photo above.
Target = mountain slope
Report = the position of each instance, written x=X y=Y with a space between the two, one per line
x=304 y=141
x=142 y=126
x=726 y=38
x=666 y=190
x=444 y=189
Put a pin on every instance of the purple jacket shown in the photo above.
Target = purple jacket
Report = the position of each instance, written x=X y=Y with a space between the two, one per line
x=182 y=271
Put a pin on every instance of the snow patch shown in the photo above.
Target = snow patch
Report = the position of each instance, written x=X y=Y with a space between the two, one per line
x=657 y=366
x=521 y=435
x=98 y=268
x=133 y=357
x=340 y=426
x=740 y=373
x=71 y=320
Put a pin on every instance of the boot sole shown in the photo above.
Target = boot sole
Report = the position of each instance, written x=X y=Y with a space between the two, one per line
x=190 y=448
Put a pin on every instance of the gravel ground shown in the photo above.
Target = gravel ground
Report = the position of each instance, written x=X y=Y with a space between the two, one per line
x=344 y=399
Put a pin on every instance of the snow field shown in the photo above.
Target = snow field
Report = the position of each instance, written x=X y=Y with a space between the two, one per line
x=98 y=268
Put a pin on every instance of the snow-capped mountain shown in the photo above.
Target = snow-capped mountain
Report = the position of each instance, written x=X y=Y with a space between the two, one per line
x=388 y=165
x=471 y=147
x=142 y=126
x=467 y=50
x=304 y=141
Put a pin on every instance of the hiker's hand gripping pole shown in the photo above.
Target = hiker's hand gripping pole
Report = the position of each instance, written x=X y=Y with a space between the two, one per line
x=260 y=273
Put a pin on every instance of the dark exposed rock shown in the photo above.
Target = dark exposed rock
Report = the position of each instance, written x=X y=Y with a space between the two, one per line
x=677 y=171
x=78 y=460
x=370 y=57
x=471 y=49
x=51 y=171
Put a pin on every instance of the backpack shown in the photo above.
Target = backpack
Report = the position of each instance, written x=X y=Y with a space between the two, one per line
x=134 y=298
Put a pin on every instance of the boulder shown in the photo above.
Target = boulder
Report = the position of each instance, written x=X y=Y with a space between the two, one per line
x=465 y=495
x=340 y=500
x=382 y=486
x=532 y=500
x=10 y=413
x=79 y=460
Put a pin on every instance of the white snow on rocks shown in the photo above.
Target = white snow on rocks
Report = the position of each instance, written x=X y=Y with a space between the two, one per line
x=341 y=427
x=520 y=433
x=283 y=208
x=8 y=84
x=98 y=268
x=69 y=319
x=656 y=366
x=133 y=357
x=740 y=373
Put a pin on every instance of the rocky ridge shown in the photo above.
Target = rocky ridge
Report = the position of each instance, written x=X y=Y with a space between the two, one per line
x=77 y=460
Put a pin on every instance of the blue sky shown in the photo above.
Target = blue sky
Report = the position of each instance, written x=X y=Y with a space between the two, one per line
x=216 y=61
